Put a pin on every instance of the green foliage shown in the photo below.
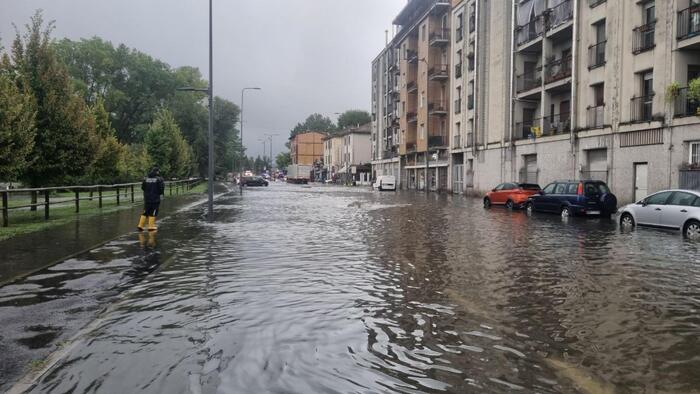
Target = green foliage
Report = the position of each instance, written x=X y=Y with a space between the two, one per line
x=226 y=136
x=353 y=118
x=110 y=156
x=167 y=147
x=694 y=89
x=65 y=141
x=314 y=122
x=283 y=160
x=17 y=129
x=672 y=91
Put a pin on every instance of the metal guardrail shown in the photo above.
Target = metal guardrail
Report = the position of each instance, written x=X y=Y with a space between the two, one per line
x=685 y=106
x=641 y=108
x=596 y=54
x=644 y=37
x=689 y=179
x=688 y=22
x=124 y=192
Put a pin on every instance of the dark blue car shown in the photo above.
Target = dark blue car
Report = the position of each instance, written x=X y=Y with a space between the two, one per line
x=569 y=198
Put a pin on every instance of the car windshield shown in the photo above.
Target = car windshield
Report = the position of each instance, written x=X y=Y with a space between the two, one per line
x=594 y=188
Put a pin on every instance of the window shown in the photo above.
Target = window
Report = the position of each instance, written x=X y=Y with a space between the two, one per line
x=549 y=189
x=598 y=94
x=422 y=98
x=599 y=28
x=422 y=131
x=648 y=83
x=649 y=13
x=500 y=187
x=572 y=188
x=422 y=33
x=694 y=150
x=682 y=199
x=459 y=31
x=658 y=198
x=560 y=189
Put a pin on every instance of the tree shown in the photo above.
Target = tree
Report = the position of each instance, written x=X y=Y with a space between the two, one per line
x=283 y=160
x=17 y=128
x=65 y=141
x=353 y=118
x=314 y=122
x=110 y=157
x=166 y=146
x=226 y=135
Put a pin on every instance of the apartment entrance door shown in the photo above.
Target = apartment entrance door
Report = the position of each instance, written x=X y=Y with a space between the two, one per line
x=640 y=181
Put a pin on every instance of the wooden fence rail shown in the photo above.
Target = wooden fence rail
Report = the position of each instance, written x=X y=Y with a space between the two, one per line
x=120 y=193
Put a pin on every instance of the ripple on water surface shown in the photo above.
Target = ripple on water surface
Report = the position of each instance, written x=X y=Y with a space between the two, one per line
x=343 y=290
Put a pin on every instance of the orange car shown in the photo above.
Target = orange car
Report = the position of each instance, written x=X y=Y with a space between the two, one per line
x=512 y=195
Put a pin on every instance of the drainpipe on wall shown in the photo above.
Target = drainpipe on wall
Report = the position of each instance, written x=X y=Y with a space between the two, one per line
x=510 y=90
x=574 y=89
x=477 y=52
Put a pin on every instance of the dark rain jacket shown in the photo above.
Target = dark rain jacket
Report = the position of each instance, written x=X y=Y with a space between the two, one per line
x=153 y=186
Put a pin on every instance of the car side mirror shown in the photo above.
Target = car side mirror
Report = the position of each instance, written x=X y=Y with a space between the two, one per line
x=642 y=203
x=493 y=190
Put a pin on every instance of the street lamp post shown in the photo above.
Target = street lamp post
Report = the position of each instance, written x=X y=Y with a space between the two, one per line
x=242 y=96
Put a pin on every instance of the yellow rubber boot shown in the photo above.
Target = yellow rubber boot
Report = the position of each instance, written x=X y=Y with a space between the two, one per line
x=152 y=223
x=142 y=222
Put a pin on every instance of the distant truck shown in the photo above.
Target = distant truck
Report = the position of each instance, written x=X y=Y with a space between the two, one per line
x=297 y=173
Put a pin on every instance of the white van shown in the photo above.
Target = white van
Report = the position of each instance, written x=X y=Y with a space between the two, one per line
x=385 y=182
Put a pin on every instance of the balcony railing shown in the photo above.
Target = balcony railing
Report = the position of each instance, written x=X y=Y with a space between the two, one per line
x=556 y=124
x=439 y=37
x=683 y=106
x=644 y=37
x=411 y=87
x=595 y=3
x=458 y=70
x=438 y=71
x=531 y=30
x=529 y=80
x=596 y=55
x=688 y=22
x=641 y=108
x=558 y=69
x=435 y=141
x=470 y=101
x=595 y=116
x=411 y=117
x=411 y=56
x=560 y=14
x=410 y=147
x=523 y=130
x=458 y=106
x=437 y=108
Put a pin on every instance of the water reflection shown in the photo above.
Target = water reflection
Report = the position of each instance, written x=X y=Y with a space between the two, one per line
x=329 y=289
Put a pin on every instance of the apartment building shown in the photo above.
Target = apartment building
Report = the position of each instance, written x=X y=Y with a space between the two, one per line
x=306 y=148
x=385 y=113
x=355 y=157
x=552 y=89
x=331 y=155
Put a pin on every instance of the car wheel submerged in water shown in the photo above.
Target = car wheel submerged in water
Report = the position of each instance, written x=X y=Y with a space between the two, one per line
x=565 y=212
x=529 y=208
x=691 y=230
x=509 y=204
x=627 y=221
x=487 y=203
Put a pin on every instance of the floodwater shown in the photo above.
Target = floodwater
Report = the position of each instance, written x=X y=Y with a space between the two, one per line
x=332 y=290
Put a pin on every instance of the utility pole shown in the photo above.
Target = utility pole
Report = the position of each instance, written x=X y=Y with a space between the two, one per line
x=211 y=119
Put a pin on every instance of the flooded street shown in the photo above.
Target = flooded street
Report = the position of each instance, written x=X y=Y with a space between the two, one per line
x=337 y=290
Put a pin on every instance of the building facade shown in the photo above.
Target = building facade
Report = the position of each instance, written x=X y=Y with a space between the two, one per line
x=307 y=148
x=564 y=89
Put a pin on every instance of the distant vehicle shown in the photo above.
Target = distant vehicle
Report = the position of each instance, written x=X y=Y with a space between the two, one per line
x=254 y=181
x=672 y=209
x=248 y=173
x=297 y=173
x=569 y=198
x=385 y=182
x=512 y=195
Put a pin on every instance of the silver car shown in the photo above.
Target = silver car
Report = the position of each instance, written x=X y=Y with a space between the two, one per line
x=673 y=209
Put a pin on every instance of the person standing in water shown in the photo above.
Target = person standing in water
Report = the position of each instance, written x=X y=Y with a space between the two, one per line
x=153 y=187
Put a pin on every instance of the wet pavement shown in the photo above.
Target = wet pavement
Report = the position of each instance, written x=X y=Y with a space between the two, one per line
x=324 y=289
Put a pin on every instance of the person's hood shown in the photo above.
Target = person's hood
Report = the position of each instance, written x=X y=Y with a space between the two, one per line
x=153 y=173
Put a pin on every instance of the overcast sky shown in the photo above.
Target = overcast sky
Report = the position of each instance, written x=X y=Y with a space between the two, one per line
x=307 y=55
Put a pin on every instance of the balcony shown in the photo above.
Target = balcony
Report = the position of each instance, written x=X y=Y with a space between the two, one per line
x=439 y=37
x=688 y=22
x=389 y=152
x=595 y=3
x=458 y=70
x=411 y=87
x=458 y=106
x=459 y=34
x=438 y=72
x=683 y=106
x=437 y=141
x=641 y=108
x=560 y=14
x=410 y=147
x=411 y=56
x=557 y=70
x=470 y=101
x=596 y=55
x=411 y=117
x=595 y=116
x=528 y=80
x=556 y=124
x=525 y=130
x=530 y=31
x=644 y=38
x=438 y=108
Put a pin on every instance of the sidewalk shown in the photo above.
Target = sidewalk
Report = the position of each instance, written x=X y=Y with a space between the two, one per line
x=23 y=254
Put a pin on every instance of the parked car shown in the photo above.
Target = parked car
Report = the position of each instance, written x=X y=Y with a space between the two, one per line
x=254 y=181
x=569 y=198
x=385 y=182
x=512 y=195
x=672 y=209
